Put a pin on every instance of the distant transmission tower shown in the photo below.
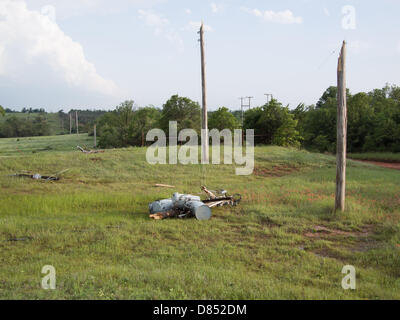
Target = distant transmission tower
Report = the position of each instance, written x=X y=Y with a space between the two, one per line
x=243 y=106
x=269 y=97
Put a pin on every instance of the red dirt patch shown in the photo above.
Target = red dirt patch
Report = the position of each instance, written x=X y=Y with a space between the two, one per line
x=389 y=165
x=275 y=171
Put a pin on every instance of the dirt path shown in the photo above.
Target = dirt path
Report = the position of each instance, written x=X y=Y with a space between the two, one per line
x=395 y=166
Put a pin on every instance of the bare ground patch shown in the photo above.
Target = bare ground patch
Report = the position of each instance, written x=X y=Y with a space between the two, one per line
x=362 y=241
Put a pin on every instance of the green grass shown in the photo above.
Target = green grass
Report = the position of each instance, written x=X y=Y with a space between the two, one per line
x=93 y=227
x=376 y=156
x=32 y=145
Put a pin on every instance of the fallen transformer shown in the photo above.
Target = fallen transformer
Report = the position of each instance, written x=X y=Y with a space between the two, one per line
x=188 y=206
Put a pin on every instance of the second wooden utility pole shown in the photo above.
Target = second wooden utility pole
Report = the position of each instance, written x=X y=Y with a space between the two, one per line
x=341 y=132
x=204 y=122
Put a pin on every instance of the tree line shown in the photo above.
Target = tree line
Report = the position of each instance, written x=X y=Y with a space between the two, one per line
x=35 y=122
x=373 y=122
x=23 y=127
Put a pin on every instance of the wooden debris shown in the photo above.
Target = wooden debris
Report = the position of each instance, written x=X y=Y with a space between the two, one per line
x=163 y=215
x=163 y=186
x=89 y=151
x=209 y=193
x=37 y=176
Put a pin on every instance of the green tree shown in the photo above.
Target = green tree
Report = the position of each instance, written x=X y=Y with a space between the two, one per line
x=319 y=123
x=40 y=126
x=2 y=111
x=145 y=119
x=222 y=119
x=116 y=129
x=287 y=134
x=273 y=124
x=126 y=125
x=373 y=121
x=183 y=110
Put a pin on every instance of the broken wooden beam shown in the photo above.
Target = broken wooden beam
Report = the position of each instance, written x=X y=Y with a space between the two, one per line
x=163 y=186
x=89 y=151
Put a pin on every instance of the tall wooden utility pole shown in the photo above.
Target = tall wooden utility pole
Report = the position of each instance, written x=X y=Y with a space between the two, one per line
x=70 y=122
x=77 y=122
x=204 y=124
x=341 y=132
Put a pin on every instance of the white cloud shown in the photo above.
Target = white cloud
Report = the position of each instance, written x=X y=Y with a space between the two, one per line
x=153 y=20
x=398 y=48
x=214 y=7
x=327 y=13
x=29 y=38
x=161 y=27
x=195 y=26
x=282 y=17
x=188 y=11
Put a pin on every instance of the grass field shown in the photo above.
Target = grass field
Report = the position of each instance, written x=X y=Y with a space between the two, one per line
x=282 y=242
x=31 y=145
x=384 y=157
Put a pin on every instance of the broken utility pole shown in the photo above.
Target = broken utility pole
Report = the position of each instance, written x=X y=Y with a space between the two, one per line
x=204 y=124
x=341 y=132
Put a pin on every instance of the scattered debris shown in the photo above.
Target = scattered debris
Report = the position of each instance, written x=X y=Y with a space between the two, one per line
x=38 y=176
x=188 y=206
x=163 y=186
x=223 y=199
x=89 y=151
x=209 y=193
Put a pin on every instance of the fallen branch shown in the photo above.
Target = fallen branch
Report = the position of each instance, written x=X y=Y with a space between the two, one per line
x=164 y=186
x=89 y=151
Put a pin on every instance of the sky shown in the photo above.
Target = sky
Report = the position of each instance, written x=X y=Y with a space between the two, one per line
x=95 y=54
